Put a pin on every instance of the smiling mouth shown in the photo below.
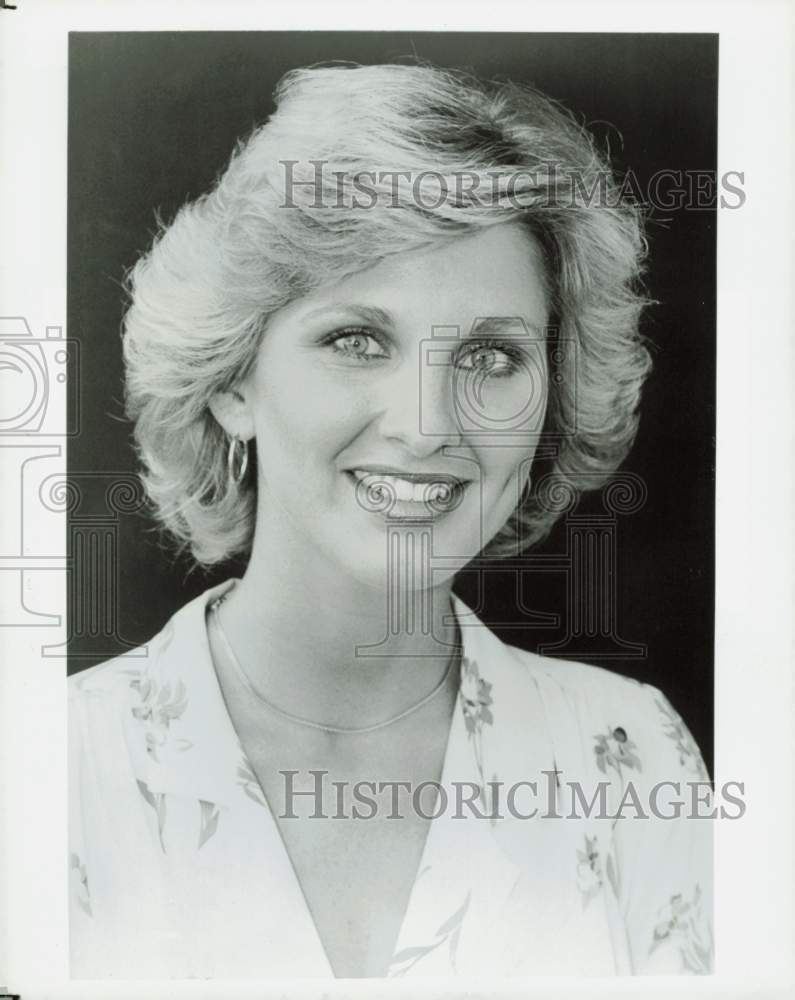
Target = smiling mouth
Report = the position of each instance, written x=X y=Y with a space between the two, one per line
x=406 y=493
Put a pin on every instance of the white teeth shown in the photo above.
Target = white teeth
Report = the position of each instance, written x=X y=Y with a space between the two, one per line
x=404 y=490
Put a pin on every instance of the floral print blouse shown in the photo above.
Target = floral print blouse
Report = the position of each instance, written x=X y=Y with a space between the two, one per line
x=559 y=866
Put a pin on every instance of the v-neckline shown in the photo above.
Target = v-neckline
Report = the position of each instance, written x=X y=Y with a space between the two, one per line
x=454 y=735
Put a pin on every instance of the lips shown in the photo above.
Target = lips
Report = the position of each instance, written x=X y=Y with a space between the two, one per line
x=414 y=490
x=398 y=490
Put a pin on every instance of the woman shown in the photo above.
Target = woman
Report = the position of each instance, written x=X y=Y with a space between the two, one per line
x=347 y=363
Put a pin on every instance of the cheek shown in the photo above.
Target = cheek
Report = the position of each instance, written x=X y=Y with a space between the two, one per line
x=512 y=474
x=505 y=472
x=305 y=423
x=512 y=465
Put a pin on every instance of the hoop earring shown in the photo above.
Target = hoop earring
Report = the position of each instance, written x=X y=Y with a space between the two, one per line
x=237 y=463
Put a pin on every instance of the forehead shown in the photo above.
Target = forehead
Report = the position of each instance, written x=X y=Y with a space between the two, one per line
x=498 y=272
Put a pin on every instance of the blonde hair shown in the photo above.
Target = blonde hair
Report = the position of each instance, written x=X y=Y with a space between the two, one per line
x=201 y=297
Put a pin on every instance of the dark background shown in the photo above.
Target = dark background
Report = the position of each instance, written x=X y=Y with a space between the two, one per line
x=153 y=118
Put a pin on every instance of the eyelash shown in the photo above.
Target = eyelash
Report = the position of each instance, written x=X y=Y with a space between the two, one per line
x=355 y=331
x=511 y=351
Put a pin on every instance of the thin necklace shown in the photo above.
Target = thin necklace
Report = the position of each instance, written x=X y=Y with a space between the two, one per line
x=299 y=720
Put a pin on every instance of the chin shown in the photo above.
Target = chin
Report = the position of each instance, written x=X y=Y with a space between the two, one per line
x=410 y=558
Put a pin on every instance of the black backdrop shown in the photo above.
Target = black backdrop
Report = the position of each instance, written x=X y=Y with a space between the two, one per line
x=153 y=118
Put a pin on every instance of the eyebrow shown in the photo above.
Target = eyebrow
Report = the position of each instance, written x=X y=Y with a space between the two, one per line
x=367 y=314
x=495 y=326
x=483 y=326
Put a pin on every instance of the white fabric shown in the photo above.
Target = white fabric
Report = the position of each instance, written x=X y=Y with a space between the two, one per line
x=178 y=869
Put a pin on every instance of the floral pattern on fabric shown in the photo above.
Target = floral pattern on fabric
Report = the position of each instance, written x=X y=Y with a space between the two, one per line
x=475 y=695
x=157 y=801
x=158 y=708
x=676 y=730
x=248 y=781
x=476 y=704
x=682 y=922
x=477 y=910
x=615 y=749
x=208 y=821
x=589 y=870
x=79 y=879
x=591 y=873
x=448 y=933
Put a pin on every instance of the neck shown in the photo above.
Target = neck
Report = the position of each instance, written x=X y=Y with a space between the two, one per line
x=328 y=647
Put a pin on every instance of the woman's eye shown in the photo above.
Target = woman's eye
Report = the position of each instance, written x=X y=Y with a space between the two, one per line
x=357 y=344
x=488 y=360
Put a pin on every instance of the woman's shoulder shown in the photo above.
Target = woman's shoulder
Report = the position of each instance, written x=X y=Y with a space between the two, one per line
x=180 y=642
x=572 y=680
x=586 y=684
x=617 y=709
x=616 y=716
x=108 y=679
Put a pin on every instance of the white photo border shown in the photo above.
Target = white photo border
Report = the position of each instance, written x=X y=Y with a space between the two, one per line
x=755 y=597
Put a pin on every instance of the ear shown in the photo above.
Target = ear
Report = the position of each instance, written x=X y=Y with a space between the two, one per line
x=233 y=413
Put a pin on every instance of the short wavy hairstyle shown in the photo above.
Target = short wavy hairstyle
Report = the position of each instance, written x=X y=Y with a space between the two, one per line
x=201 y=297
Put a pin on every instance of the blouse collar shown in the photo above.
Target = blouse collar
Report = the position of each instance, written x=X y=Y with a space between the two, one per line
x=183 y=742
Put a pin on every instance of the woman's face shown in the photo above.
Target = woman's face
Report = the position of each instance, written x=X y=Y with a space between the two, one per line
x=405 y=399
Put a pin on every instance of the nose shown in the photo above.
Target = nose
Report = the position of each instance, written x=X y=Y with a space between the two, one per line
x=419 y=410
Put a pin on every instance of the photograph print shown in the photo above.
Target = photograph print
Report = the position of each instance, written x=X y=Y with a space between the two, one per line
x=391 y=522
